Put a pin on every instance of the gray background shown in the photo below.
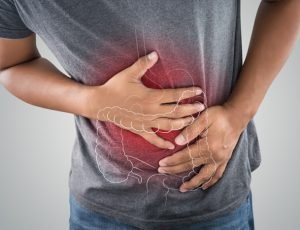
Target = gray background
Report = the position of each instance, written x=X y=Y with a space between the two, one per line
x=36 y=144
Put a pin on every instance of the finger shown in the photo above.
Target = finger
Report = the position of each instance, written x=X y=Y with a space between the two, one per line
x=182 y=167
x=171 y=124
x=157 y=141
x=218 y=175
x=178 y=111
x=192 y=131
x=146 y=133
x=140 y=67
x=185 y=155
x=176 y=95
x=126 y=121
x=205 y=174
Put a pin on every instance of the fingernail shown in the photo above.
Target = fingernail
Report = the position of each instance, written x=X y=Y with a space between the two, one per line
x=171 y=146
x=152 y=55
x=180 y=140
x=204 y=187
x=199 y=91
x=183 y=190
x=162 y=163
x=160 y=170
x=200 y=107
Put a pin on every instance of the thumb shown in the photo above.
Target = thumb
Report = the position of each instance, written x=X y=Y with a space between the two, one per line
x=140 y=67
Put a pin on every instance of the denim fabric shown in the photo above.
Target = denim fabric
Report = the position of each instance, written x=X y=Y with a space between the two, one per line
x=239 y=219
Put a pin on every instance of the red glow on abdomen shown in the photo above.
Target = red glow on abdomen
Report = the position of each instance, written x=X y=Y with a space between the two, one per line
x=165 y=74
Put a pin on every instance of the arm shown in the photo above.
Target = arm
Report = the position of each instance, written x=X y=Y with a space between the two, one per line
x=275 y=31
x=36 y=81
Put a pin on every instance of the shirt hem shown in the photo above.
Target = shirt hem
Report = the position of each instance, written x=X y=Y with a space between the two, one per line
x=14 y=34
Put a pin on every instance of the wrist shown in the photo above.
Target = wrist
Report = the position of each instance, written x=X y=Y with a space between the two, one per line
x=240 y=115
x=92 y=101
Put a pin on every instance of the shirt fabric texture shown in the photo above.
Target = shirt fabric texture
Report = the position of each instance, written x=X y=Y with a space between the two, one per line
x=241 y=218
x=114 y=172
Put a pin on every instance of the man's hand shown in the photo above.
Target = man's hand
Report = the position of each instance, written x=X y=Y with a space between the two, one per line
x=219 y=129
x=123 y=99
x=132 y=106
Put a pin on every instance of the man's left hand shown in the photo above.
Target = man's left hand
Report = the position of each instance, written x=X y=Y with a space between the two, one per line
x=219 y=129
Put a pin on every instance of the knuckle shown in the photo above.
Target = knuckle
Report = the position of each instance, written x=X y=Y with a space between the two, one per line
x=187 y=133
x=179 y=124
x=169 y=125
x=206 y=174
x=135 y=66
x=174 y=124
x=214 y=149
x=141 y=61
x=139 y=64
x=181 y=111
x=218 y=155
x=206 y=178
x=161 y=124
x=190 y=109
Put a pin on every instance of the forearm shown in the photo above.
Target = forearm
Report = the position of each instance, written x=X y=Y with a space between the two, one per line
x=275 y=32
x=40 y=83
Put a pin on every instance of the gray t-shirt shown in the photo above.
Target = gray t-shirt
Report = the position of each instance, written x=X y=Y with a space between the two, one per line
x=114 y=171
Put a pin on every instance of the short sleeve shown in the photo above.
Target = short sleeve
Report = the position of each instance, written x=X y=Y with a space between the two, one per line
x=11 y=24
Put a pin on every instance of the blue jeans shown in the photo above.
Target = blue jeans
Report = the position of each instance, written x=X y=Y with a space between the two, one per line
x=238 y=219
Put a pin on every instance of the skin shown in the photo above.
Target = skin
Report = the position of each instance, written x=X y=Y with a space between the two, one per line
x=23 y=67
x=275 y=32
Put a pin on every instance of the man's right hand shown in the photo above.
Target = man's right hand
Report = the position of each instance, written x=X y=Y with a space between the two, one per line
x=131 y=105
x=123 y=99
